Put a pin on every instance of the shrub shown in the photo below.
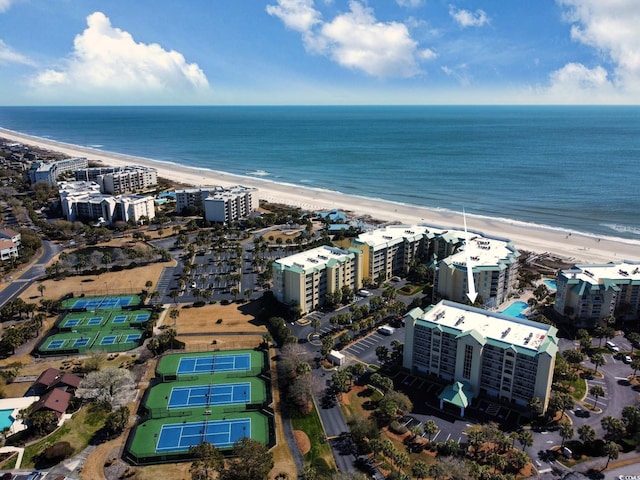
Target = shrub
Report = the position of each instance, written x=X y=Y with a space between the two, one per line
x=398 y=428
x=56 y=453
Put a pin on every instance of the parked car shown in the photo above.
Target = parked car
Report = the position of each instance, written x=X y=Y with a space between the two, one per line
x=612 y=346
x=627 y=359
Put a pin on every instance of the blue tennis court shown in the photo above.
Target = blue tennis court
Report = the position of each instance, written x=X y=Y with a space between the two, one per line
x=81 y=342
x=209 y=395
x=106 y=302
x=55 y=344
x=215 y=363
x=119 y=319
x=94 y=321
x=142 y=317
x=178 y=437
x=134 y=337
x=72 y=322
x=108 y=340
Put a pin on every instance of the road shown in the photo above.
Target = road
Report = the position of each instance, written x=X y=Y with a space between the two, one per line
x=21 y=280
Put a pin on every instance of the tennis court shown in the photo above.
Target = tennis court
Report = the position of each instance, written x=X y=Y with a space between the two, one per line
x=134 y=337
x=55 y=344
x=108 y=340
x=190 y=366
x=142 y=317
x=105 y=302
x=67 y=341
x=215 y=363
x=81 y=342
x=119 y=319
x=209 y=395
x=78 y=321
x=177 y=437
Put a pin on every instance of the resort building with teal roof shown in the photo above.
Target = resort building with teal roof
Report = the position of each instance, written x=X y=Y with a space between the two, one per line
x=481 y=353
x=304 y=279
x=587 y=294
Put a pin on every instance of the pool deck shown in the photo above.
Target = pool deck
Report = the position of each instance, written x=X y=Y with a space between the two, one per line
x=17 y=404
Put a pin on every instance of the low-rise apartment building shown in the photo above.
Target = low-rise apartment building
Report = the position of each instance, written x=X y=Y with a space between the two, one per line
x=83 y=200
x=50 y=172
x=481 y=352
x=120 y=180
x=304 y=279
x=587 y=294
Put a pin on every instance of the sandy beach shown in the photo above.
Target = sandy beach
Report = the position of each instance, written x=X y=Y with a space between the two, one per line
x=578 y=248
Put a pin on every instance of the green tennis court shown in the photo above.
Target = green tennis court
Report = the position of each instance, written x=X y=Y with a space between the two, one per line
x=192 y=365
x=165 y=399
x=101 y=302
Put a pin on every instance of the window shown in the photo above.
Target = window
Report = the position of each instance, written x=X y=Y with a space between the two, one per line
x=468 y=359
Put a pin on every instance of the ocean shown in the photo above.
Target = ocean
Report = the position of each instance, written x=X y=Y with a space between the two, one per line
x=572 y=168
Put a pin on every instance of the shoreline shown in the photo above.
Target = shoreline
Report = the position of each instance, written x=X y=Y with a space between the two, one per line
x=577 y=247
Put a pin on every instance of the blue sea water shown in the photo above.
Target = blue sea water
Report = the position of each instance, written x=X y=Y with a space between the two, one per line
x=575 y=168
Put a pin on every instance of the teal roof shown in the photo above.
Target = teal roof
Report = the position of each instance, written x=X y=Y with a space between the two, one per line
x=455 y=395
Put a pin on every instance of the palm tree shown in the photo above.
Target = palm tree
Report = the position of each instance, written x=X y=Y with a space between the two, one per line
x=525 y=438
x=635 y=364
x=41 y=289
x=565 y=431
x=430 y=428
x=315 y=323
x=596 y=391
x=612 y=451
x=174 y=313
x=598 y=360
x=586 y=433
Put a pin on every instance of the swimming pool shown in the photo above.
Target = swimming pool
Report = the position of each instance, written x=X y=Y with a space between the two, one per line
x=551 y=284
x=6 y=419
x=515 y=309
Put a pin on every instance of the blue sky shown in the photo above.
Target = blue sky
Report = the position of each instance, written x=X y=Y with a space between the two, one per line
x=239 y=52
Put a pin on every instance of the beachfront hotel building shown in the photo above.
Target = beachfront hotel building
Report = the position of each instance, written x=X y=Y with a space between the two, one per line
x=83 y=200
x=230 y=205
x=195 y=197
x=50 y=172
x=304 y=279
x=478 y=352
x=119 y=180
x=391 y=250
x=494 y=263
x=587 y=294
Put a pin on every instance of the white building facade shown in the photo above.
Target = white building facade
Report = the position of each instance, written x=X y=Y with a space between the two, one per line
x=230 y=205
x=494 y=265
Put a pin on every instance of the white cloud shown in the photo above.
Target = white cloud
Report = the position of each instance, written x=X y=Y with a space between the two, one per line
x=612 y=29
x=409 y=3
x=7 y=55
x=107 y=59
x=298 y=15
x=466 y=18
x=460 y=73
x=355 y=39
x=5 y=5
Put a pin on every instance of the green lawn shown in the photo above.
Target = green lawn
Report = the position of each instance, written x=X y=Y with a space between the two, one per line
x=310 y=424
x=77 y=431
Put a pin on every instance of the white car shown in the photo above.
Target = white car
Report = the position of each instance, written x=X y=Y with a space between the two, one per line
x=627 y=359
